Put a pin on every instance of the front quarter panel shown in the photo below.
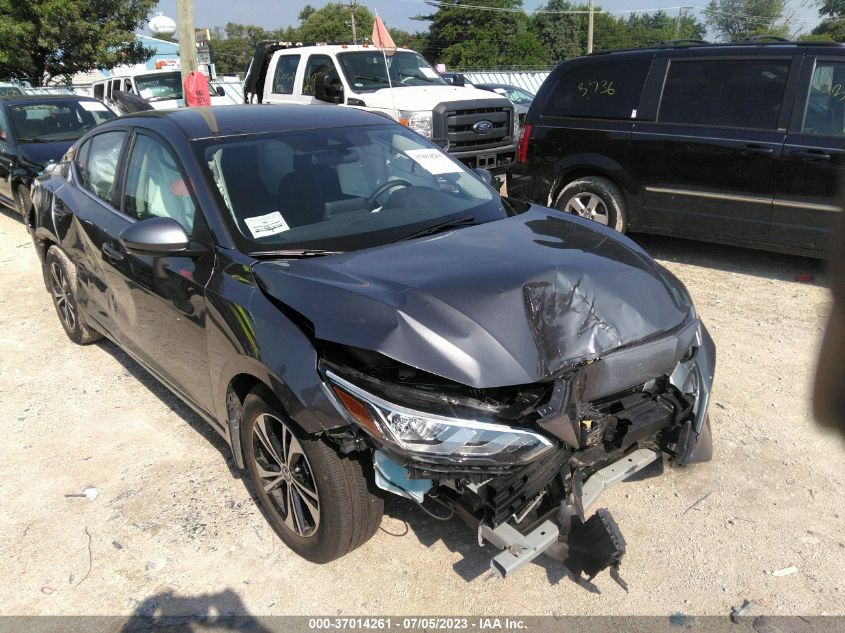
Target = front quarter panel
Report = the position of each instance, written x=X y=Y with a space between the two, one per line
x=248 y=334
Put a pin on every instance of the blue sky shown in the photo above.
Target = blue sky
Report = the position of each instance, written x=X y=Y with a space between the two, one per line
x=272 y=14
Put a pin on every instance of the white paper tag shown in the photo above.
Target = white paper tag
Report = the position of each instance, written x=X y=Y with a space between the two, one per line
x=429 y=72
x=93 y=106
x=147 y=93
x=264 y=225
x=433 y=161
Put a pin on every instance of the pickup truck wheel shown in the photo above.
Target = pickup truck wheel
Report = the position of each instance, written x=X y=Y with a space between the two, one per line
x=596 y=199
x=61 y=277
x=317 y=501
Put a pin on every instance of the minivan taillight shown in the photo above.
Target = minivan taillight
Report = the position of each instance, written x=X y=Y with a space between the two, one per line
x=522 y=150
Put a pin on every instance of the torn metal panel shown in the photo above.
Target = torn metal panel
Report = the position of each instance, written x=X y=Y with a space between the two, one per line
x=567 y=292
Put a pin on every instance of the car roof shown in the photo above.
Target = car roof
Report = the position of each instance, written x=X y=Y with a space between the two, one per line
x=229 y=120
x=24 y=98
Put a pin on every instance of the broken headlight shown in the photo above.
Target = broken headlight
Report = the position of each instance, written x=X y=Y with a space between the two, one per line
x=432 y=437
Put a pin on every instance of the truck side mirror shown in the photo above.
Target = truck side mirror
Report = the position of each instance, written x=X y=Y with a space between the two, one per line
x=328 y=88
x=221 y=92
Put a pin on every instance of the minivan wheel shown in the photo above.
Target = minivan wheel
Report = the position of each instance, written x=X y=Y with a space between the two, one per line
x=61 y=277
x=317 y=501
x=596 y=199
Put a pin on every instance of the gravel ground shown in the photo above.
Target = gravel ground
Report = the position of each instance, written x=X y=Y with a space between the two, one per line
x=174 y=528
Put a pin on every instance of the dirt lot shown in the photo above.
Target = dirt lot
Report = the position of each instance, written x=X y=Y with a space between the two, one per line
x=173 y=524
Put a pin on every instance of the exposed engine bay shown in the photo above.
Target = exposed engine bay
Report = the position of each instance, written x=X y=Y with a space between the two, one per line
x=529 y=490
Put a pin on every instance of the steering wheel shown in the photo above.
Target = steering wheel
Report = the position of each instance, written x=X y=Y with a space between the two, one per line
x=390 y=184
x=407 y=79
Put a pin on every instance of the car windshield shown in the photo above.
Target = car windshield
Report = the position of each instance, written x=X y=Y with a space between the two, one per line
x=366 y=70
x=516 y=95
x=341 y=189
x=57 y=120
x=160 y=86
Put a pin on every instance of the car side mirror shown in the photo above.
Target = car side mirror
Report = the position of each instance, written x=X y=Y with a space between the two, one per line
x=220 y=91
x=155 y=237
x=328 y=89
x=484 y=175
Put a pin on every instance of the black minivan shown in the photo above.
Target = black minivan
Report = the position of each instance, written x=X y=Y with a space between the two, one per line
x=742 y=143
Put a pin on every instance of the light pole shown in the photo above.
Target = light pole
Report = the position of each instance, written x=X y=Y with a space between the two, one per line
x=590 y=27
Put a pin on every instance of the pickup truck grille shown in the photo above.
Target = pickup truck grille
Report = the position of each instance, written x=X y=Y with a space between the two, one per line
x=461 y=135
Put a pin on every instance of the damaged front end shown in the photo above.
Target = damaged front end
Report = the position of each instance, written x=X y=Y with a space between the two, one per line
x=524 y=464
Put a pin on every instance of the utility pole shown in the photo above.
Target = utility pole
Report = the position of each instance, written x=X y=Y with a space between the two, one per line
x=187 y=37
x=352 y=7
x=681 y=12
x=590 y=27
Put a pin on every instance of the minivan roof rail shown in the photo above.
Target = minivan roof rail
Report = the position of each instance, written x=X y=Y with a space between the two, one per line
x=757 y=40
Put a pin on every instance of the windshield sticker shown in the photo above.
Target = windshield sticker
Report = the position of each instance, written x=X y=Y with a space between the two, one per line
x=93 y=106
x=429 y=72
x=147 y=93
x=264 y=225
x=433 y=161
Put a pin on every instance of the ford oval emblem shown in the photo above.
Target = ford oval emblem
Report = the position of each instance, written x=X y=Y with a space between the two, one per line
x=482 y=127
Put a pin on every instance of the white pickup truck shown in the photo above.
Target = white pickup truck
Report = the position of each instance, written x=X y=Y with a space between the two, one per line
x=477 y=127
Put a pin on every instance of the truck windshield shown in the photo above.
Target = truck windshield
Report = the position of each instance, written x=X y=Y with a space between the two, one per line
x=340 y=189
x=160 y=86
x=366 y=70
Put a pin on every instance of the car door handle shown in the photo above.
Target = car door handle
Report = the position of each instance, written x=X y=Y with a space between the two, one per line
x=811 y=155
x=754 y=150
x=111 y=253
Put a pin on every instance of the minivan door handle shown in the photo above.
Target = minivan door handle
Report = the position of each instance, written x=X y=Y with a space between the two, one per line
x=111 y=253
x=754 y=150
x=811 y=155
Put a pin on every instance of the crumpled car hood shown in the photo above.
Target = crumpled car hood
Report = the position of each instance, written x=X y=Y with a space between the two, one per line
x=503 y=303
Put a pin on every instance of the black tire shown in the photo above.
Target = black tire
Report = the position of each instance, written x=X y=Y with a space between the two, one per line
x=348 y=513
x=61 y=279
x=23 y=203
x=610 y=210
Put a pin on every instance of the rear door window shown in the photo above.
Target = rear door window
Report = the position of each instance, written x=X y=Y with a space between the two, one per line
x=824 y=113
x=285 y=74
x=741 y=93
x=608 y=89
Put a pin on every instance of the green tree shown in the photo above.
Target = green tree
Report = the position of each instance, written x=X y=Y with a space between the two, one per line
x=563 y=34
x=733 y=20
x=333 y=23
x=306 y=13
x=233 y=46
x=470 y=38
x=832 y=27
x=58 y=38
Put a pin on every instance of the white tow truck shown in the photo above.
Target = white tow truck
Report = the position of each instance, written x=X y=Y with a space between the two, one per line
x=477 y=127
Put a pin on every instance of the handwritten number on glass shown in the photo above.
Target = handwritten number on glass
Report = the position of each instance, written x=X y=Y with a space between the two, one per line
x=602 y=87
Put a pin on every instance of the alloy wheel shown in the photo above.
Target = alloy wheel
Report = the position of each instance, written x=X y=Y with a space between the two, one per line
x=286 y=475
x=60 y=288
x=588 y=205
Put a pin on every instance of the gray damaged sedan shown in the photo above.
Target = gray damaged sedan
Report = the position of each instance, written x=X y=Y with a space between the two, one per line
x=358 y=314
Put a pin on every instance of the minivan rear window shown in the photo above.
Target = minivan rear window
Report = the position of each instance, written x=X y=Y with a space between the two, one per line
x=745 y=93
x=609 y=89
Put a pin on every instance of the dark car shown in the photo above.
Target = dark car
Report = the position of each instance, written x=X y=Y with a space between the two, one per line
x=520 y=97
x=742 y=144
x=38 y=130
x=353 y=310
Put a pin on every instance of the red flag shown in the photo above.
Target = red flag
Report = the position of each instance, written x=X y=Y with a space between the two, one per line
x=196 y=90
x=381 y=37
